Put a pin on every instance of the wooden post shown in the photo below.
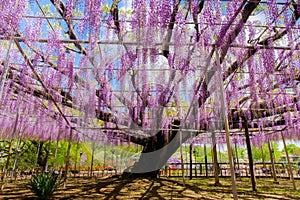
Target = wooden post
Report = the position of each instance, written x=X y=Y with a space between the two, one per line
x=47 y=154
x=263 y=156
x=191 y=161
x=194 y=152
x=16 y=156
x=181 y=158
x=237 y=156
x=9 y=151
x=289 y=162
x=215 y=159
x=220 y=157
x=223 y=105
x=55 y=153
x=249 y=154
x=80 y=154
x=104 y=159
x=76 y=158
x=205 y=160
x=68 y=156
x=92 y=161
x=38 y=161
x=272 y=161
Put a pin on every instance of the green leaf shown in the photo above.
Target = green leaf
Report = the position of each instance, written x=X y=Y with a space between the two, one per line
x=46 y=9
x=44 y=185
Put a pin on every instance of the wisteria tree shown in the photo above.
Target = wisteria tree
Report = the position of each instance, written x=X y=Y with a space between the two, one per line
x=147 y=72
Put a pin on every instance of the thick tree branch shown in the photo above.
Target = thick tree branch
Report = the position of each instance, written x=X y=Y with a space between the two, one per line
x=40 y=80
x=60 y=7
x=195 y=18
x=248 y=9
x=238 y=64
x=202 y=86
x=168 y=37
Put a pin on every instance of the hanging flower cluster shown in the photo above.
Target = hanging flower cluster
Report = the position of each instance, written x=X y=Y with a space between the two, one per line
x=151 y=67
x=11 y=13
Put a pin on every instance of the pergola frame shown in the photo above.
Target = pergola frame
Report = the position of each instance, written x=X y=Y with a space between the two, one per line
x=43 y=92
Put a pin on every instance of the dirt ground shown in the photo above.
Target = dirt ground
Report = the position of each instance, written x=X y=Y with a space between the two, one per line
x=115 y=187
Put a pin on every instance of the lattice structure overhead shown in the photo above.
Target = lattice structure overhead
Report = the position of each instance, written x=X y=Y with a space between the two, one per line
x=136 y=70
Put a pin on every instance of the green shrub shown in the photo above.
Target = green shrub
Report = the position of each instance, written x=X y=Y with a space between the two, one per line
x=45 y=184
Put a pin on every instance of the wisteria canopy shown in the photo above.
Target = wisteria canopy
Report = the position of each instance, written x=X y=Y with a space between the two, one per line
x=141 y=71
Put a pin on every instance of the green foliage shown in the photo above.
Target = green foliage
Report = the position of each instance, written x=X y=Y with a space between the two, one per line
x=46 y=9
x=292 y=149
x=199 y=154
x=257 y=153
x=260 y=153
x=242 y=153
x=62 y=153
x=44 y=185
x=277 y=152
x=26 y=158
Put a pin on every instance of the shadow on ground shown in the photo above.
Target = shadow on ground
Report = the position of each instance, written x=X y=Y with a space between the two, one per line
x=144 y=188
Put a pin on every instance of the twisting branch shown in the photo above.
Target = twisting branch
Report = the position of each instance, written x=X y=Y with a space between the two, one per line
x=248 y=9
x=168 y=37
x=36 y=92
x=195 y=19
x=60 y=7
x=114 y=11
x=226 y=27
x=238 y=64
x=40 y=80
x=45 y=60
x=202 y=85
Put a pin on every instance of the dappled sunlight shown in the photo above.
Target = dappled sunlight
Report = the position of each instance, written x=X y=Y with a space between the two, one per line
x=116 y=187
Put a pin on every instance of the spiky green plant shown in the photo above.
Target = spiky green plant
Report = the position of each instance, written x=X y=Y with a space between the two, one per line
x=45 y=184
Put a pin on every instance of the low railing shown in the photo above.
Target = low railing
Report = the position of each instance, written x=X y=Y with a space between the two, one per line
x=241 y=169
x=174 y=169
x=24 y=175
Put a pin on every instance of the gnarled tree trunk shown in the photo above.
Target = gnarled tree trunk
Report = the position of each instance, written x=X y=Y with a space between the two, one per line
x=156 y=153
